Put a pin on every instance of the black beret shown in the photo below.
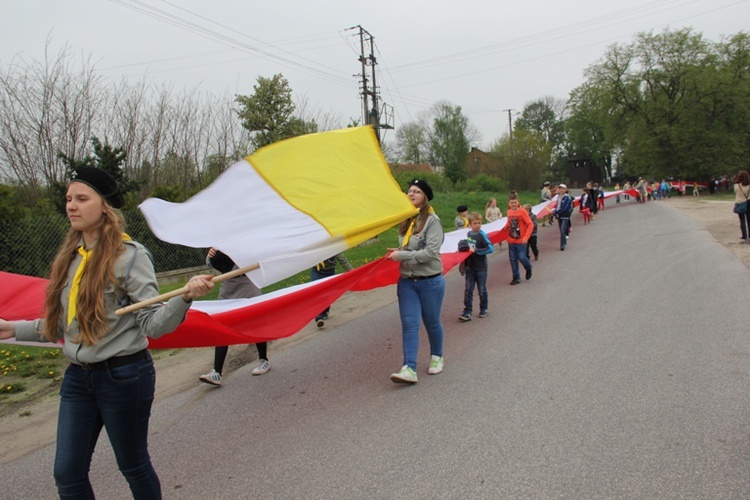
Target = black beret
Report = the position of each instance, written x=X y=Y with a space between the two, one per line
x=424 y=186
x=462 y=208
x=101 y=182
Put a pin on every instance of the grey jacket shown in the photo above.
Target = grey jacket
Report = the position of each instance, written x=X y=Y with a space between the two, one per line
x=126 y=334
x=421 y=256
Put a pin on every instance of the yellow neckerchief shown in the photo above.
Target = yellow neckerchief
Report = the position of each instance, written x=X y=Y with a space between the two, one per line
x=466 y=221
x=411 y=228
x=73 y=296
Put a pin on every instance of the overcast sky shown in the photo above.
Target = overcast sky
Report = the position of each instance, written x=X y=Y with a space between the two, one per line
x=486 y=56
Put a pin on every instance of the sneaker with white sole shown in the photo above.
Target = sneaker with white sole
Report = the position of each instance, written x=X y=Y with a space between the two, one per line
x=436 y=365
x=262 y=367
x=213 y=377
x=465 y=317
x=482 y=314
x=404 y=376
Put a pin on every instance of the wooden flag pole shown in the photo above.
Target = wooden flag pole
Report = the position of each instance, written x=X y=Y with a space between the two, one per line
x=184 y=289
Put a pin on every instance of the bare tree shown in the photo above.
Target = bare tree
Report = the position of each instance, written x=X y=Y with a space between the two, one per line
x=56 y=106
x=47 y=107
x=125 y=124
x=325 y=120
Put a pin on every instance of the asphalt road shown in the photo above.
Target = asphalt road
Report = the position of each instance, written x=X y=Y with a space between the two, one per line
x=620 y=370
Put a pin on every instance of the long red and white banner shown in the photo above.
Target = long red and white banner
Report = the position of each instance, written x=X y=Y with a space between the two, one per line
x=271 y=316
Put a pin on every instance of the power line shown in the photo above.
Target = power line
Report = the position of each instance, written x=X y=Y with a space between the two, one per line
x=536 y=38
x=250 y=37
x=553 y=54
x=181 y=23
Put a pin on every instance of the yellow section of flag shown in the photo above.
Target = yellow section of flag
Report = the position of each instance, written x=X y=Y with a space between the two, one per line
x=339 y=178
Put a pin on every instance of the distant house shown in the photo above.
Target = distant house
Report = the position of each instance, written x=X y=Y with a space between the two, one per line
x=581 y=170
x=479 y=162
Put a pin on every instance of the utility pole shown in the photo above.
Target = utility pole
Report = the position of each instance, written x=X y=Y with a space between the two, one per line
x=363 y=34
x=510 y=124
x=379 y=119
x=510 y=132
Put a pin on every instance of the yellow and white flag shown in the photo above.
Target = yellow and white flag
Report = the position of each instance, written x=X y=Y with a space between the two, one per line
x=289 y=205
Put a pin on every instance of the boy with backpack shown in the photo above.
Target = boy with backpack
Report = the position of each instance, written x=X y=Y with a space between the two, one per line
x=519 y=227
x=475 y=267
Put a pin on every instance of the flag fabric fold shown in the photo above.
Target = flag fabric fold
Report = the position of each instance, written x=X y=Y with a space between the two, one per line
x=290 y=204
x=21 y=297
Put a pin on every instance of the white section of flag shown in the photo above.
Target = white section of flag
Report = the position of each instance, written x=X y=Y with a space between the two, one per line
x=241 y=215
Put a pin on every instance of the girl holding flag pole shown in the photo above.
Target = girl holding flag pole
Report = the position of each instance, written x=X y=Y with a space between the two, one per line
x=110 y=380
x=421 y=285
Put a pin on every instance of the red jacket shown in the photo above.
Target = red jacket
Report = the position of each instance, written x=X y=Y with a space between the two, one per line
x=523 y=222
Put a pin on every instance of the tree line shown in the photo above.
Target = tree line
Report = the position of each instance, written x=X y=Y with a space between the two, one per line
x=669 y=104
x=57 y=113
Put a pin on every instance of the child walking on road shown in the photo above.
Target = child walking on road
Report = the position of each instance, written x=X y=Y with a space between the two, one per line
x=461 y=221
x=562 y=212
x=519 y=227
x=475 y=267
x=239 y=287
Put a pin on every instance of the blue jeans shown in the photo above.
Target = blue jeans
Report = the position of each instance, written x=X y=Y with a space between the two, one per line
x=480 y=279
x=516 y=253
x=120 y=400
x=744 y=225
x=316 y=275
x=418 y=301
x=564 y=225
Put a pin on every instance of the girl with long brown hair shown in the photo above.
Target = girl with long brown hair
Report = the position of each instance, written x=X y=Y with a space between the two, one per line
x=421 y=286
x=110 y=380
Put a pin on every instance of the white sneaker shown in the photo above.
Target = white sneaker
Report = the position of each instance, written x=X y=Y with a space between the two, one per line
x=262 y=367
x=436 y=365
x=405 y=376
x=213 y=377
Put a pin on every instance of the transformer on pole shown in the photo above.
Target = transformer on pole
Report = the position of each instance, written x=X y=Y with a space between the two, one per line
x=380 y=116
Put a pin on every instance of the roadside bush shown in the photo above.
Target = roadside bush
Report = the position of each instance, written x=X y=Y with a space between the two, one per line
x=484 y=182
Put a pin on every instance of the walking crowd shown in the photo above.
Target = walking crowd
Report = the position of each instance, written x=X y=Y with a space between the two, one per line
x=98 y=269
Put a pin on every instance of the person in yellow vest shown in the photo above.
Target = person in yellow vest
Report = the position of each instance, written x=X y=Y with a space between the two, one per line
x=110 y=380
x=462 y=217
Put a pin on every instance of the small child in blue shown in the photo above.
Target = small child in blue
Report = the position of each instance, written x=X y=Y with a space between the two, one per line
x=475 y=267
